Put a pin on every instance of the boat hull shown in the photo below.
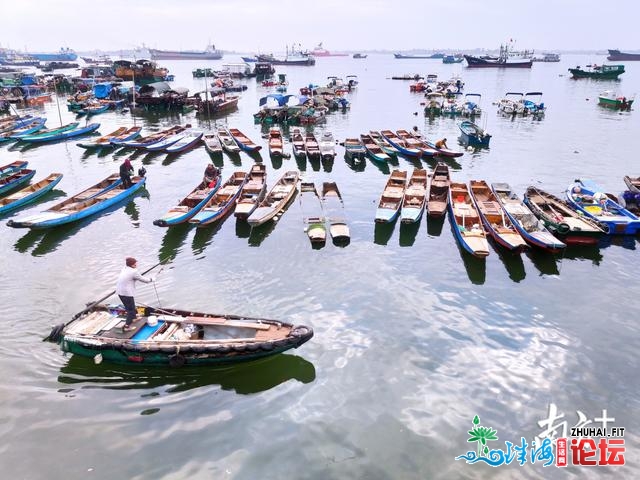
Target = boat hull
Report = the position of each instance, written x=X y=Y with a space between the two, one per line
x=7 y=204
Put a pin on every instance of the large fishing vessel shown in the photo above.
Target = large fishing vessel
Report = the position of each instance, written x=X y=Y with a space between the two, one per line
x=506 y=59
x=617 y=55
x=64 y=55
x=209 y=53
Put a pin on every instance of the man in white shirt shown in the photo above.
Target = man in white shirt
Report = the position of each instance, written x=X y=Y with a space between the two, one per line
x=126 y=289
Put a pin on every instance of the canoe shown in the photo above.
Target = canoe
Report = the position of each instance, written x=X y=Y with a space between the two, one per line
x=392 y=197
x=171 y=337
x=49 y=131
x=297 y=142
x=189 y=205
x=465 y=221
x=212 y=143
x=375 y=152
x=190 y=140
x=527 y=224
x=354 y=149
x=166 y=141
x=227 y=141
x=443 y=152
x=495 y=220
x=91 y=201
x=473 y=135
x=93 y=110
x=276 y=200
x=275 y=142
x=29 y=193
x=383 y=143
x=143 y=142
x=415 y=197
x=414 y=142
x=327 y=146
x=244 y=142
x=252 y=192
x=400 y=144
x=590 y=199
x=562 y=220
x=438 y=191
x=52 y=137
x=12 y=167
x=30 y=128
x=312 y=214
x=15 y=180
x=223 y=202
x=104 y=140
x=18 y=122
x=311 y=146
x=334 y=211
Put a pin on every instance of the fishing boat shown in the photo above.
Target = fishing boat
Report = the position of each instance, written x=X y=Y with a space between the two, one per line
x=228 y=143
x=243 y=141
x=452 y=59
x=588 y=198
x=15 y=122
x=297 y=142
x=91 y=201
x=176 y=338
x=495 y=220
x=415 y=197
x=505 y=59
x=601 y=72
x=438 y=191
x=143 y=142
x=189 y=205
x=29 y=193
x=253 y=191
x=327 y=146
x=617 y=56
x=333 y=206
x=167 y=141
x=312 y=214
x=471 y=105
x=92 y=127
x=632 y=183
x=561 y=220
x=105 y=140
x=383 y=144
x=473 y=135
x=190 y=140
x=375 y=152
x=212 y=143
x=392 y=197
x=15 y=180
x=47 y=131
x=360 y=55
x=525 y=222
x=12 y=167
x=512 y=103
x=223 y=202
x=610 y=99
x=415 y=142
x=401 y=145
x=276 y=147
x=276 y=201
x=354 y=149
x=90 y=110
x=533 y=104
x=414 y=56
x=311 y=146
x=465 y=221
x=442 y=152
x=30 y=128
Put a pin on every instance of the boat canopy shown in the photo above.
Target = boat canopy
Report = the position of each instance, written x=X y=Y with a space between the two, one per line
x=102 y=90
x=276 y=99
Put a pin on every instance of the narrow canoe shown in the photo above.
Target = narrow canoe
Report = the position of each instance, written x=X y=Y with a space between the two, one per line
x=244 y=142
x=12 y=167
x=311 y=146
x=189 y=205
x=276 y=147
x=415 y=197
x=166 y=141
x=143 y=142
x=465 y=221
x=29 y=194
x=190 y=140
x=400 y=144
x=15 y=180
x=334 y=211
x=104 y=140
x=252 y=192
x=373 y=149
x=414 y=142
x=297 y=141
x=392 y=197
x=31 y=128
x=52 y=137
x=276 y=200
x=312 y=214
x=228 y=143
x=49 y=131
x=438 y=191
x=223 y=202
x=383 y=143
x=212 y=143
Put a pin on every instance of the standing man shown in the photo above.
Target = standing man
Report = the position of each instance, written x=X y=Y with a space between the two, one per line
x=126 y=289
x=126 y=170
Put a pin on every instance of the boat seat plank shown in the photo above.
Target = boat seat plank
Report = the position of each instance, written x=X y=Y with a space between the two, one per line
x=87 y=194
x=92 y=323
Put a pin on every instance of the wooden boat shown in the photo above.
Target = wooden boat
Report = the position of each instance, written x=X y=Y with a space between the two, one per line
x=276 y=200
x=12 y=167
x=104 y=140
x=610 y=99
x=438 y=192
x=223 y=202
x=167 y=141
x=383 y=144
x=415 y=197
x=525 y=222
x=442 y=152
x=354 y=149
x=312 y=214
x=465 y=220
x=494 y=219
x=416 y=142
x=93 y=200
x=400 y=144
x=253 y=191
x=30 y=128
x=212 y=143
x=48 y=131
x=297 y=141
x=588 y=198
x=327 y=146
x=392 y=197
x=334 y=211
x=562 y=220
x=311 y=146
x=29 y=193
x=243 y=141
x=52 y=137
x=276 y=147
x=14 y=123
x=632 y=183
x=174 y=337
x=143 y=142
x=190 y=140
x=375 y=152
x=228 y=143
x=602 y=72
x=15 y=180
x=189 y=205
x=93 y=109
x=473 y=135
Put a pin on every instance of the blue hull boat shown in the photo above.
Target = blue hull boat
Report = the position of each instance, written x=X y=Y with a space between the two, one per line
x=29 y=194
x=188 y=206
x=188 y=141
x=46 y=131
x=465 y=221
x=34 y=126
x=62 y=135
x=392 y=197
x=12 y=167
x=473 y=135
x=16 y=179
x=223 y=202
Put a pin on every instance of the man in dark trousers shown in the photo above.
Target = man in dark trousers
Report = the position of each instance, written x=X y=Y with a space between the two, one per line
x=126 y=170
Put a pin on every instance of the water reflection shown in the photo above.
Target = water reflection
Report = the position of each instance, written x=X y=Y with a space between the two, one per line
x=257 y=235
x=276 y=161
x=327 y=164
x=382 y=233
x=356 y=164
x=315 y=164
x=204 y=235
x=476 y=267
x=435 y=224
x=512 y=262
x=301 y=162
x=173 y=240
x=382 y=166
x=408 y=232
x=243 y=229
x=545 y=262
x=584 y=252
x=625 y=241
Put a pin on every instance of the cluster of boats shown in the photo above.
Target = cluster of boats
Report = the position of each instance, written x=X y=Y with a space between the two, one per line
x=518 y=103
x=29 y=129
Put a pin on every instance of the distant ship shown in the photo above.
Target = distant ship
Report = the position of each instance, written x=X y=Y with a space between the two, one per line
x=322 y=52
x=209 y=53
x=617 y=55
x=404 y=56
x=547 y=57
x=506 y=59
x=64 y=55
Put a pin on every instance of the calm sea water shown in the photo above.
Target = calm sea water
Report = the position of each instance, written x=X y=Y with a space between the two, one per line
x=412 y=338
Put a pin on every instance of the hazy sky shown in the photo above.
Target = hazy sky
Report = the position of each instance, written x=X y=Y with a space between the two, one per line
x=269 y=25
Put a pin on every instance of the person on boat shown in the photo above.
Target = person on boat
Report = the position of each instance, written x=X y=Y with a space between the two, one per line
x=442 y=143
x=210 y=175
x=126 y=288
x=126 y=170
x=579 y=196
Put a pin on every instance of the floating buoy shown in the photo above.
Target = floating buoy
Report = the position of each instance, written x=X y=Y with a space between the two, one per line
x=469 y=148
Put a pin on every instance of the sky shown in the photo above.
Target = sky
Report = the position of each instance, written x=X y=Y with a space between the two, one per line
x=349 y=25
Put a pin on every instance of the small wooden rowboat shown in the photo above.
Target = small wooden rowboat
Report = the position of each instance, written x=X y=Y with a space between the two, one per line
x=189 y=205
x=190 y=140
x=223 y=202
x=401 y=145
x=373 y=149
x=47 y=131
x=12 y=167
x=212 y=143
x=311 y=146
x=383 y=143
x=334 y=211
x=312 y=214
x=297 y=141
x=392 y=197
x=32 y=127
x=276 y=147
x=228 y=143
x=632 y=183
x=53 y=137
x=15 y=180
x=414 y=197
x=175 y=337
x=244 y=142
x=466 y=223
x=415 y=142
x=354 y=149
x=252 y=192
x=276 y=200
x=143 y=142
x=108 y=141
x=29 y=194
x=438 y=192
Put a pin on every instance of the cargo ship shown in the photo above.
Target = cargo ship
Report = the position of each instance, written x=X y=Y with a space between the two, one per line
x=64 y=55
x=617 y=55
x=209 y=53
